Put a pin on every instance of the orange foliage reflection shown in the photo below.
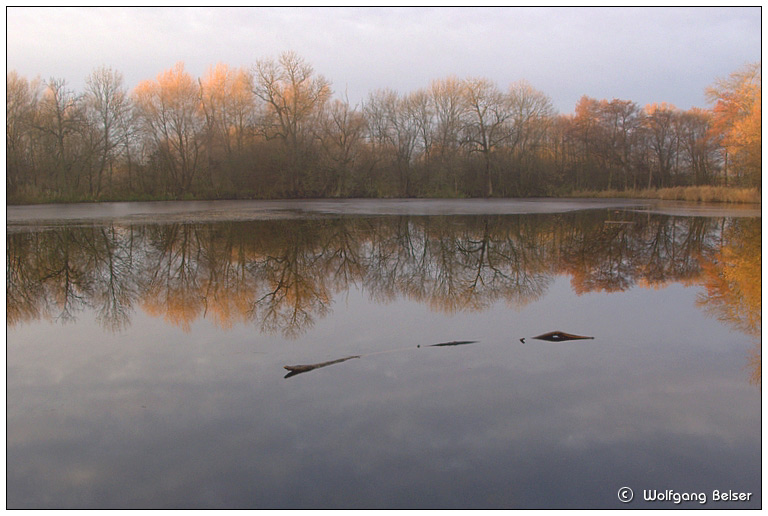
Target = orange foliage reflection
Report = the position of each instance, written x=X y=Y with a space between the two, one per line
x=732 y=280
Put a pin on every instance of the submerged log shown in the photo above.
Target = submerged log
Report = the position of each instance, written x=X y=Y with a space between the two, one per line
x=559 y=336
x=298 y=369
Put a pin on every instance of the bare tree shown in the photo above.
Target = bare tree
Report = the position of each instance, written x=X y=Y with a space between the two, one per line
x=487 y=128
x=623 y=119
x=21 y=98
x=340 y=133
x=659 y=127
x=421 y=114
x=108 y=107
x=531 y=113
x=449 y=111
x=698 y=145
x=169 y=109
x=60 y=124
x=393 y=133
x=293 y=95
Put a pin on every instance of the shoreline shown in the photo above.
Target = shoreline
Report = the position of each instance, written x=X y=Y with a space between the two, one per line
x=695 y=194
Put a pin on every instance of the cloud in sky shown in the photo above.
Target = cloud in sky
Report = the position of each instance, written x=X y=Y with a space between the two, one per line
x=640 y=54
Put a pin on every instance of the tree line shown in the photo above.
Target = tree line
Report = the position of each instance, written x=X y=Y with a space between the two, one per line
x=275 y=131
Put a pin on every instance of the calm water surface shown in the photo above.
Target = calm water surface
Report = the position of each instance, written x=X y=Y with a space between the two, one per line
x=146 y=346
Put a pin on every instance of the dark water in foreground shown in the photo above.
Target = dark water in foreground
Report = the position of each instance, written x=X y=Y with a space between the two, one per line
x=145 y=359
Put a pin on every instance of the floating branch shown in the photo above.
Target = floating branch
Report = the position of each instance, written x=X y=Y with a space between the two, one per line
x=559 y=336
x=298 y=369
x=452 y=343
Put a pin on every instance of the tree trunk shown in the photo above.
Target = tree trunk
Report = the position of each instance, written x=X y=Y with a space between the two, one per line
x=488 y=178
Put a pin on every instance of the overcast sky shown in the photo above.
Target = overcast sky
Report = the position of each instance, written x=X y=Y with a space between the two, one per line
x=640 y=54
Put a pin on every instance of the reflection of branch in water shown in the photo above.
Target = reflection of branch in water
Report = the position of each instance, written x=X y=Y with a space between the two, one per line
x=298 y=369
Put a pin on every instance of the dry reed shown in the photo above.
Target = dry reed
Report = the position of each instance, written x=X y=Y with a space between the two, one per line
x=683 y=193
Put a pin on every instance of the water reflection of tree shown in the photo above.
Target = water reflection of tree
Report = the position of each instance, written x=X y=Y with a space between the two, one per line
x=636 y=250
x=54 y=274
x=226 y=289
x=171 y=285
x=114 y=285
x=456 y=264
x=291 y=288
x=25 y=294
x=733 y=284
x=282 y=275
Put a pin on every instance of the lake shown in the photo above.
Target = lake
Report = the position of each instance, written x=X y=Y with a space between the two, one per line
x=147 y=346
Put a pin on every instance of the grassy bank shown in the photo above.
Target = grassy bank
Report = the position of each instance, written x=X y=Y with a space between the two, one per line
x=682 y=193
x=20 y=199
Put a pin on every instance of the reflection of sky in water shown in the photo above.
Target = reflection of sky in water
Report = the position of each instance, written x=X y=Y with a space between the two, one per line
x=155 y=417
